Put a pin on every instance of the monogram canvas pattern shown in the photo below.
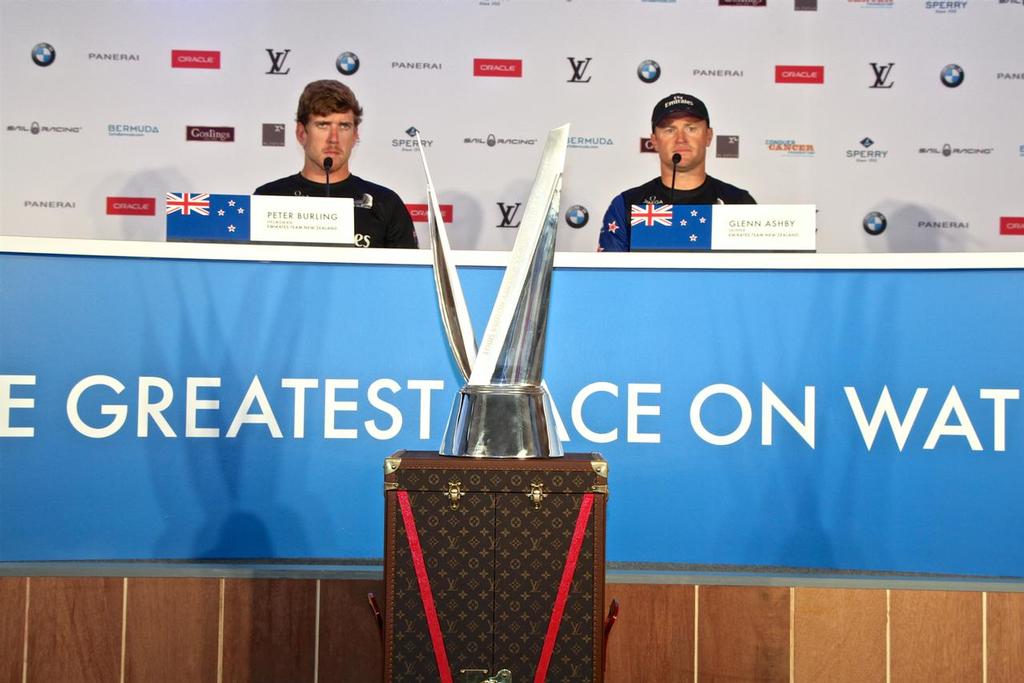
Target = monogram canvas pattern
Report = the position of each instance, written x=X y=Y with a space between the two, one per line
x=494 y=565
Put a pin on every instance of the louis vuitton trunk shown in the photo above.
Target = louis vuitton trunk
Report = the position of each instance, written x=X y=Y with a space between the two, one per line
x=494 y=564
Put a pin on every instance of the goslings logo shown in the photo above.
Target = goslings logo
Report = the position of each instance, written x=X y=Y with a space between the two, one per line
x=273 y=134
x=805 y=5
x=209 y=134
x=277 y=58
x=646 y=146
x=509 y=215
x=577 y=216
x=952 y=75
x=347 y=63
x=872 y=4
x=195 y=59
x=945 y=6
x=113 y=57
x=35 y=128
x=727 y=146
x=799 y=74
x=742 y=3
x=789 y=148
x=579 y=69
x=131 y=130
x=43 y=54
x=418 y=212
x=131 y=206
x=649 y=71
x=874 y=223
x=1011 y=225
x=865 y=153
x=883 y=73
x=498 y=68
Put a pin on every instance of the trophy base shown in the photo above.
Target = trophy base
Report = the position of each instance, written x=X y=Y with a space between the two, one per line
x=502 y=421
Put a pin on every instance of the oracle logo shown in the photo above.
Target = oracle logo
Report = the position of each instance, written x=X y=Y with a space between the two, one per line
x=418 y=212
x=799 y=74
x=502 y=68
x=195 y=59
x=131 y=206
x=1011 y=225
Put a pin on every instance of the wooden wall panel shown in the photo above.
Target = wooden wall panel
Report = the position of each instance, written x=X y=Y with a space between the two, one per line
x=653 y=638
x=743 y=633
x=350 y=649
x=936 y=636
x=172 y=630
x=839 y=635
x=269 y=630
x=75 y=629
x=12 y=628
x=1005 y=637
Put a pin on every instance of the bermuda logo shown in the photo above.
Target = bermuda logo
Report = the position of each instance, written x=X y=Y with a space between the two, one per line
x=347 y=63
x=649 y=71
x=952 y=75
x=577 y=216
x=875 y=223
x=43 y=54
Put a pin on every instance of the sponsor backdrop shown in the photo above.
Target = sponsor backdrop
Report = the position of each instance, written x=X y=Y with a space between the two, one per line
x=899 y=119
x=243 y=409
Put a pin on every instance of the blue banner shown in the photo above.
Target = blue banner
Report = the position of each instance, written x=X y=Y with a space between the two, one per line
x=860 y=420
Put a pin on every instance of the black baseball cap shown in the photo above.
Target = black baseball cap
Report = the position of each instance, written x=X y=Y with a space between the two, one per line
x=679 y=104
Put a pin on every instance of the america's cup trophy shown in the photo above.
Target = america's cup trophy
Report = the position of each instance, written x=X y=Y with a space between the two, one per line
x=504 y=409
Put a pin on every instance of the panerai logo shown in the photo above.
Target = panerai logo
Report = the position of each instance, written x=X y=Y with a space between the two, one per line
x=31 y=204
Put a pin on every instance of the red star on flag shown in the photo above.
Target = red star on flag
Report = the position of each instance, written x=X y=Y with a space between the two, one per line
x=613 y=226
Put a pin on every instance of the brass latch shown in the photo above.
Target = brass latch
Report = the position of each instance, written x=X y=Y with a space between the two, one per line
x=503 y=676
x=536 y=494
x=454 y=493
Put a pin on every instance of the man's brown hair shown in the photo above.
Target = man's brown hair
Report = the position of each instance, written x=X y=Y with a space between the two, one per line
x=322 y=98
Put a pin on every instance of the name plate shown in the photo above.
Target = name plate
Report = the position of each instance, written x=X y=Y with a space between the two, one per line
x=259 y=218
x=723 y=227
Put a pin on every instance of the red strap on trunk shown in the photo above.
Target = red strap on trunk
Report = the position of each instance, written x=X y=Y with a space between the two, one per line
x=563 y=588
x=434 y=626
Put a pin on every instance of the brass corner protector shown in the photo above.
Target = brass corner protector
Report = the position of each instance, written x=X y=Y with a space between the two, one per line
x=599 y=488
x=600 y=468
x=392 y=464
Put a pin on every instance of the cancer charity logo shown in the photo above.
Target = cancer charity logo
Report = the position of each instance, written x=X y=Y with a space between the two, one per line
x=207 y=217
x=670 y=227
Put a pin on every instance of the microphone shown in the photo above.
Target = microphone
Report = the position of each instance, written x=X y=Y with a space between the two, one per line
x=676 y=158
x=328 y=163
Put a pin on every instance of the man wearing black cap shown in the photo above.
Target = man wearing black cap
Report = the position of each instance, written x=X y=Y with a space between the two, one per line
x=681 y=134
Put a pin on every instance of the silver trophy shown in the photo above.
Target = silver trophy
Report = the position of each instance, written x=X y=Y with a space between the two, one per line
x=504 y=410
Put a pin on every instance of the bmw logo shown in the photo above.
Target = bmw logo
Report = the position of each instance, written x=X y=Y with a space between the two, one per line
x=43 y=54
x=577 y=216
x=874 y=223
x=648 y=71
x=347 y=63
x=952 y=75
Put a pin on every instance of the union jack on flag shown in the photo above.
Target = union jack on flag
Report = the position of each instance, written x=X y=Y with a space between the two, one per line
x=188 y=203
x=650 y=214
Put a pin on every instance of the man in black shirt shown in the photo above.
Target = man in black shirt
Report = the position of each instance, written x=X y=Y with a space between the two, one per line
x=681 y=128
x=327 y=126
